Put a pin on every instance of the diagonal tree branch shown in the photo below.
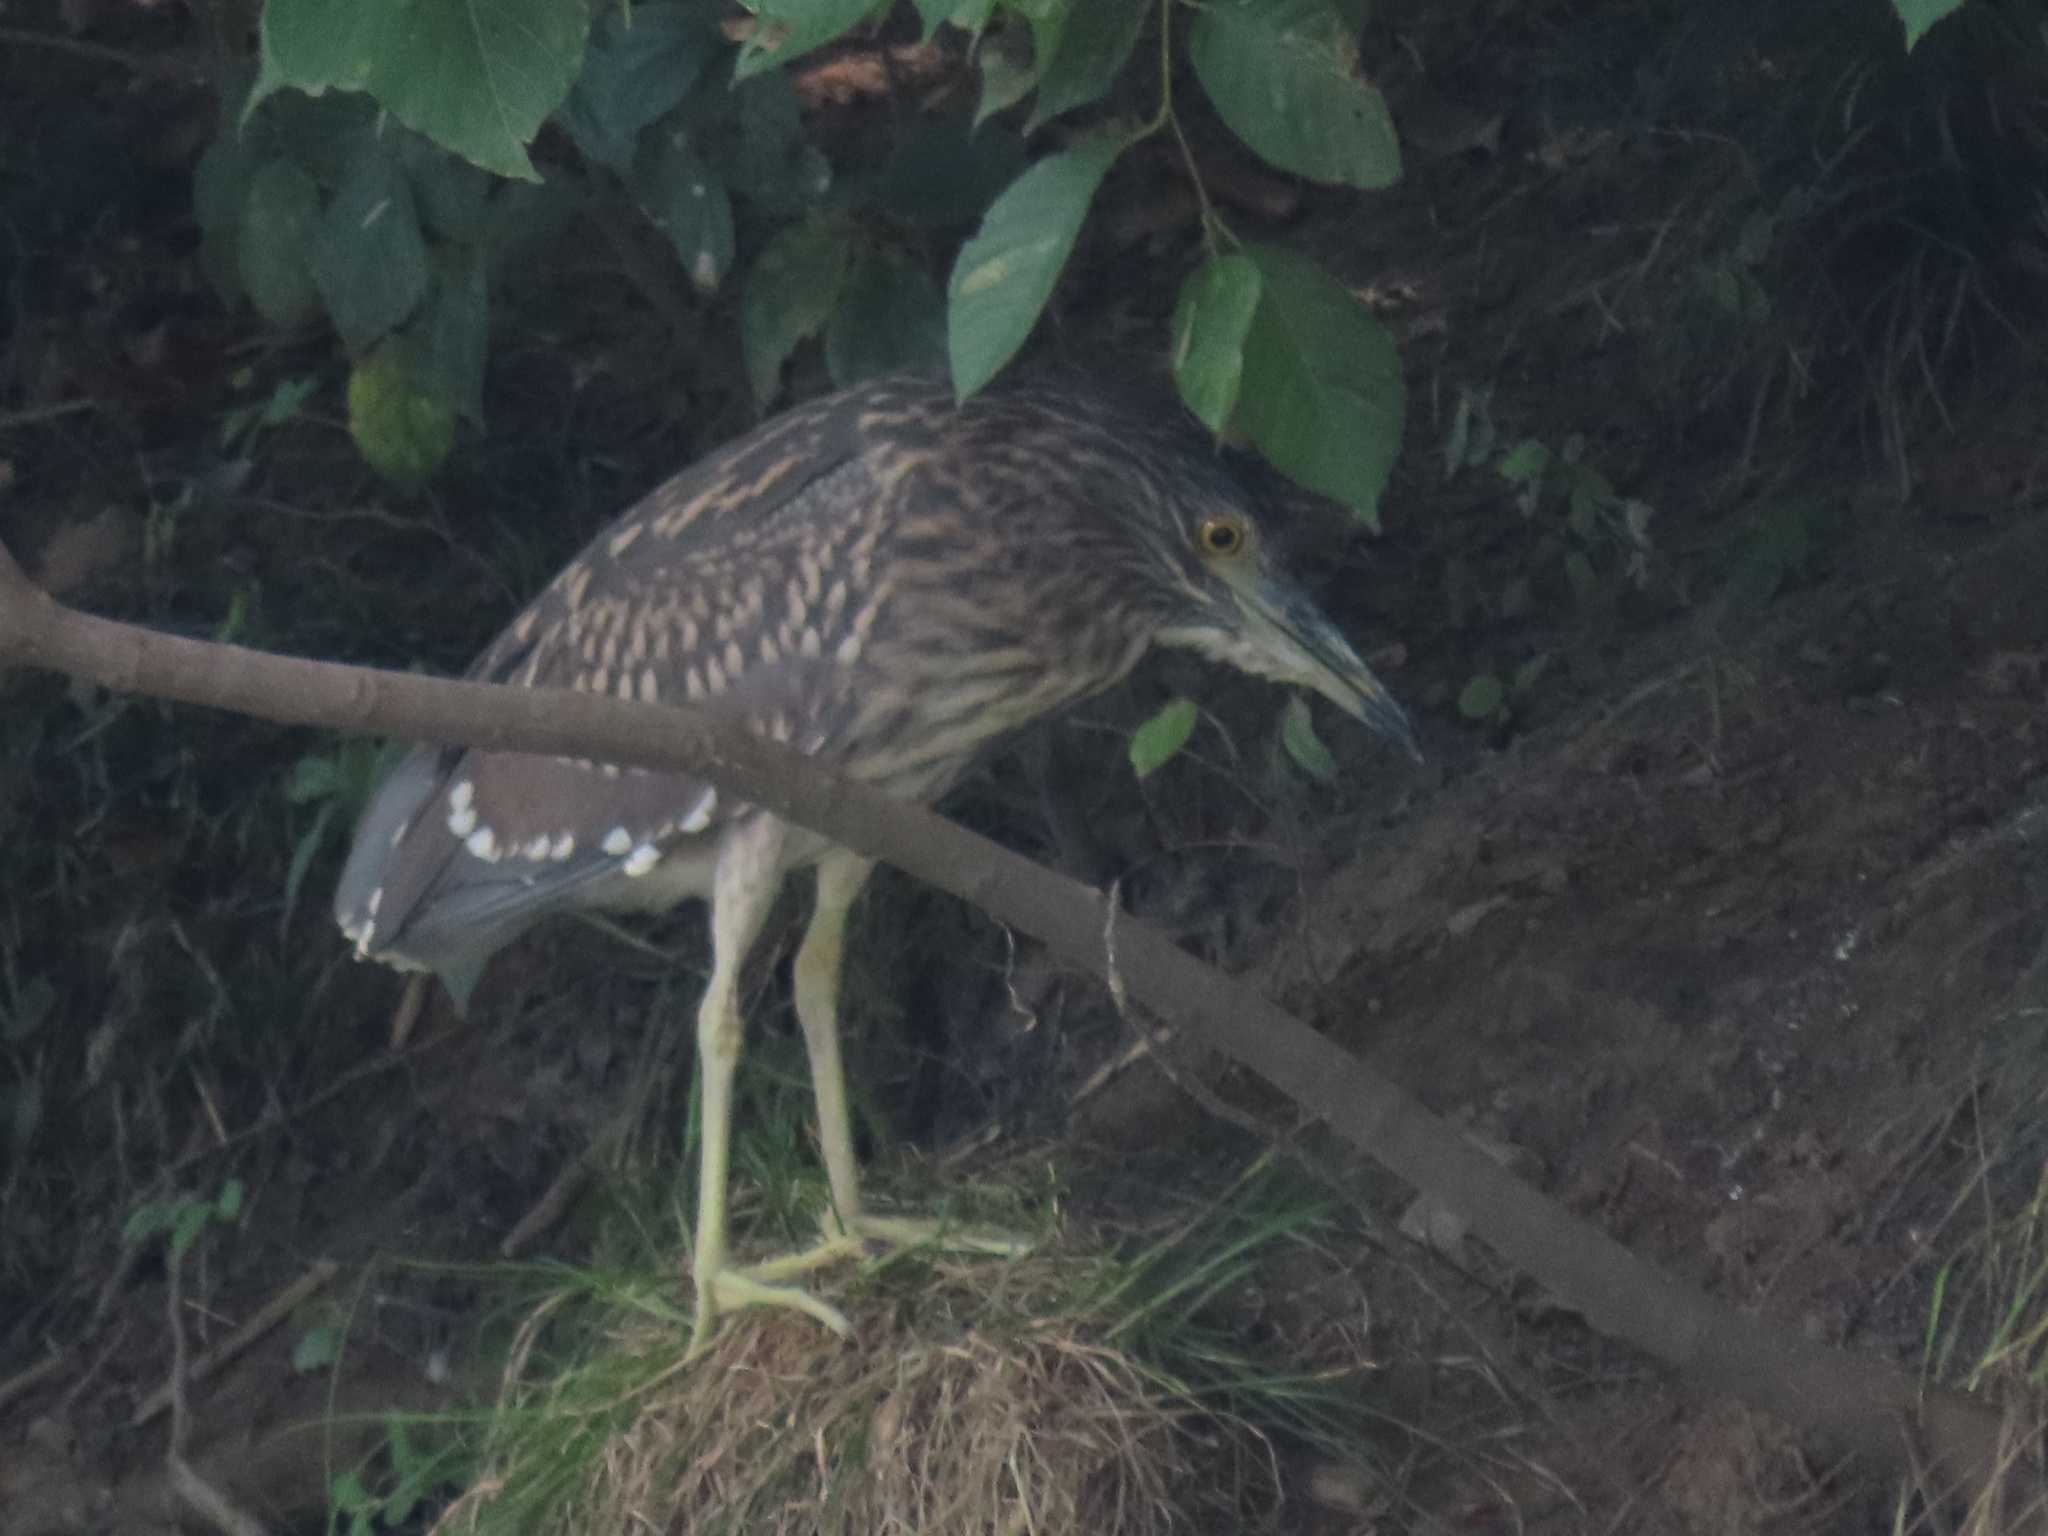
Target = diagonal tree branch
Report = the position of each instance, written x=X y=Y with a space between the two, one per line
x=1865 y=1404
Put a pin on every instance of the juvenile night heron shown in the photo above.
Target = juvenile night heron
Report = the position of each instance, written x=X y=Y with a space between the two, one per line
x=887 y=581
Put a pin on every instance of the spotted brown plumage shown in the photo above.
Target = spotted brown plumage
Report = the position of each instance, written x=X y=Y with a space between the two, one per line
x=884 y=580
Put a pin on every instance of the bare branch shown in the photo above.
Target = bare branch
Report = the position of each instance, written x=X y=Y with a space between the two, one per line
x=1861 y=1402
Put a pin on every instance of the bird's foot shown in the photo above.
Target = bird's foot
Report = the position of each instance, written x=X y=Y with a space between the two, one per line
x=853 y=1240
x=896 y=1232
x=728 y=1290
x=760 y=1285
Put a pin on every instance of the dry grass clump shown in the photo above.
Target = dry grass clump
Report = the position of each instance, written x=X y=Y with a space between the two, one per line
x=974 y=1398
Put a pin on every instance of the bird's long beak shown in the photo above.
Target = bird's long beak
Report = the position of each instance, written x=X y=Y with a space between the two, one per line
x=1308 y=649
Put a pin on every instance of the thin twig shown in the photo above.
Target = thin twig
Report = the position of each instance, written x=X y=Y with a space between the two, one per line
x=34 y=415
x=272 y=1312
x=200 y=1496
x=557 y=1197
x=77 y=47
x=24 y=1382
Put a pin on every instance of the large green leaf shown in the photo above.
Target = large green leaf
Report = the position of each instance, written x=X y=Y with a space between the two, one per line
x=793 y=287
x=1210 y=324
x=275 y=241
x=688 y=203
x=369 y=256
x=1282 y=74
x=1004 y=275
x=642 y=62
x=890 y=319
x=1322 y=395
x=477 y=76
x=787 y=29
x=1096 y=38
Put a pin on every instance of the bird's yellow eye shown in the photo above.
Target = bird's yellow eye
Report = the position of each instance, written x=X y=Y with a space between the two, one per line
x=1220 y=536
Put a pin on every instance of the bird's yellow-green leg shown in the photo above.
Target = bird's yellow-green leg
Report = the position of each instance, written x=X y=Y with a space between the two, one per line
x=748 y=875
x=819 y=963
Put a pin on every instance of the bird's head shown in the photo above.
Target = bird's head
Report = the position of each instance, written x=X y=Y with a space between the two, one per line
x=1235 y=602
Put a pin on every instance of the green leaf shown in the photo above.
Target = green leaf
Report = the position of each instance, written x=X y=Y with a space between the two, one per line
x=1096 y=39
x=1322 y=395
x=317 y=1348
x=1298 y=736
x=478 y=80
x=1283 y=76
x=1530 y=672
x=688 y=203
x=274 y=246
x=890 y=319
x=322 y=135
x=220 y=189
x=1047 y=20
x=788 y=29
x=313 y=777
x=401 y=426
x=1482 y=697
x=348 y=1491
x=303 y=853
x=229 y=1205
x=1008 y=71
x=969 y=15
x=149 y=1220
x=1005 y=274
x=1155 y=743
x=772 y=160
x=455 y=331
x=1578 y=570
x=1528 y=460
x=453 y=196
x=188 y=1222
x=1919 y=15
x=286 y=400
x=369 y=256
x=221 y=179
x=1582 y=513
x=643 y=61
x=1210 y=324
x=793 y=288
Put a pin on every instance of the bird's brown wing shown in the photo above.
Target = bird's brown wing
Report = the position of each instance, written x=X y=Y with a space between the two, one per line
x=461 y=850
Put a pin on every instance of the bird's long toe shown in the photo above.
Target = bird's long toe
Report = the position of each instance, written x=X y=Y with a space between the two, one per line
x=898 y=1232
x=730 y=1290
x=844 y=1241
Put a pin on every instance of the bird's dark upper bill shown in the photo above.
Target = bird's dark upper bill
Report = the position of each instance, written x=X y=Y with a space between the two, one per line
x=1345 y=680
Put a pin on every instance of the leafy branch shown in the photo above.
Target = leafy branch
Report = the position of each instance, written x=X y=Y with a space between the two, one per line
x=382 y=171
